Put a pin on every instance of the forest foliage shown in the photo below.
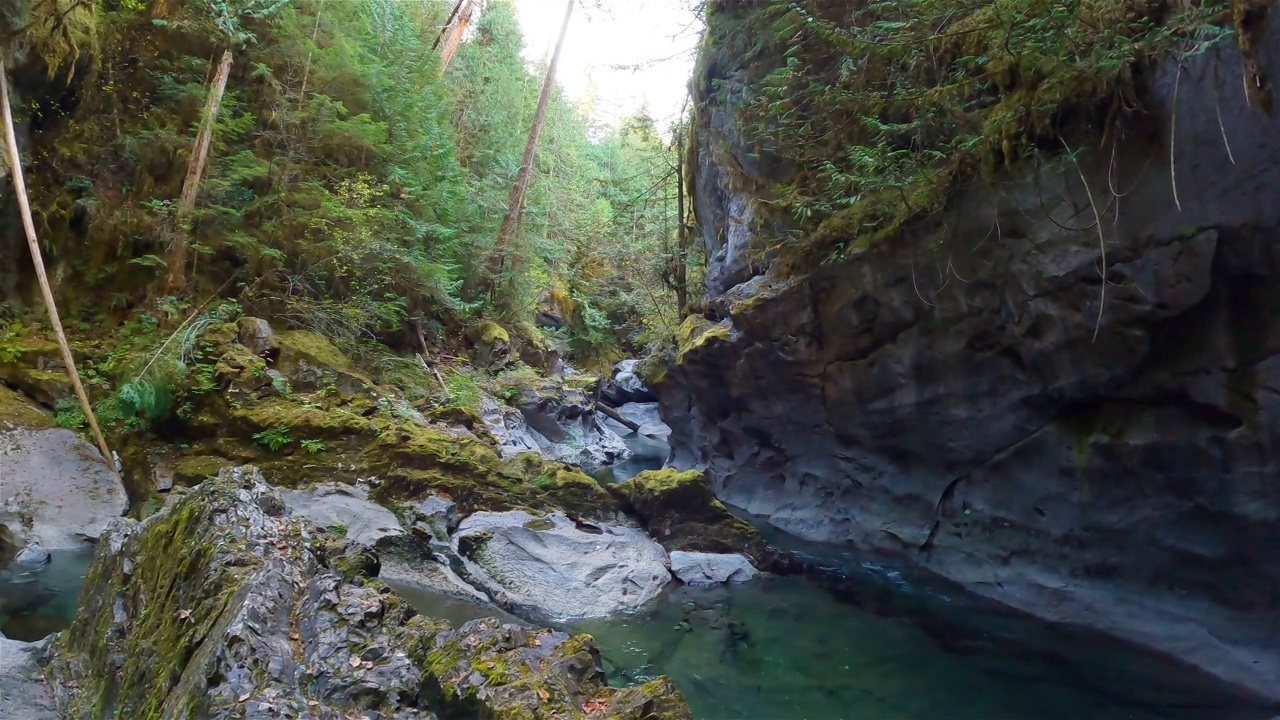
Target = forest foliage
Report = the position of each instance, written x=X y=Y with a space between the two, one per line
x=353 y=188
x=880 y=108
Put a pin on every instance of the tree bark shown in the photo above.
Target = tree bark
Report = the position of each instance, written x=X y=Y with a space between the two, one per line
x=191 y=185
x=463 y=13
x=37 y=259
x=516 y=204
x=682 y=232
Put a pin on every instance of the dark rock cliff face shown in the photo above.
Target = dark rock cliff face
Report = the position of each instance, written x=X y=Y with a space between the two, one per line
x=970 y=398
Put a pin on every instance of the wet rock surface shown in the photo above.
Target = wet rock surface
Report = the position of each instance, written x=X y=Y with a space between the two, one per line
x=969 y=399
x=557 y=567
x=696 y=568
x=224 y=606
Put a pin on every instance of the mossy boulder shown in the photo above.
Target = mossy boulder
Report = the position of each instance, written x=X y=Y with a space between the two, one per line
x=414 y=462
x=682 y=513
x=34 y=366
x=16 y=411
x=490 y=345
x=223 y=606
x=311 y=363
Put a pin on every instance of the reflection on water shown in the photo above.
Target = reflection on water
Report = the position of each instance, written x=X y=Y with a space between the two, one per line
x=784 y=648
x=36 y=602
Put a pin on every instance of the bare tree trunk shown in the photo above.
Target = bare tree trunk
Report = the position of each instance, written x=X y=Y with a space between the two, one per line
x=516 y=204
x=191 y=185
x=682 y=232
x=306 y=72
x=464 y=11
x=24 y=207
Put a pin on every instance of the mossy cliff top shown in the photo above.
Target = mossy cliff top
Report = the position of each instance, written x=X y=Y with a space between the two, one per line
x=682 y=513
x=221 y=606
x=862 y=116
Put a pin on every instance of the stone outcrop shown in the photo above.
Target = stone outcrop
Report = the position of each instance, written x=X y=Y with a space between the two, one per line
x=1062 y=391
x=681 y=512
x=559 y=568
x=566 y=427
x=23 y=692
x=55 y=489
x=223 y=606
x=696 y=568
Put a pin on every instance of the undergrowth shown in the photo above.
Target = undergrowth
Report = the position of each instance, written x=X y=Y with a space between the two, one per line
x=881 y=107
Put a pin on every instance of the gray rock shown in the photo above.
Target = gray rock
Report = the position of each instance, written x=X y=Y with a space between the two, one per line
x=335 y=505
x=508 y=427
x=625 y=386
x=57 y=490
x=33 y=555
x=255 y=334
x=24 y=695
x=272 y=632
x=565 y=426
x=965 y=399
x=699 y=568
x=550 y=567
x=440 y=513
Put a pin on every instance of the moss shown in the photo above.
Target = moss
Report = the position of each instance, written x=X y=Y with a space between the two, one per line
x=682 y=513
x=17 y=411
x=696 y=331
x=193 y=470
x=312 y=347
x=166 y=599
x=488 y=333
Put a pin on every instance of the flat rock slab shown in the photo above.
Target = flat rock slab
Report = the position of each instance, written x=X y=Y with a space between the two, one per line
x=55 y=489
x=555 y=567
x=700 y=568
x=334 y=505
x=23 y=692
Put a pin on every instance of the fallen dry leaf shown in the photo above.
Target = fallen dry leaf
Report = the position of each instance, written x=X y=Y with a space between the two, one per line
x=354 y=661
x=543 y=695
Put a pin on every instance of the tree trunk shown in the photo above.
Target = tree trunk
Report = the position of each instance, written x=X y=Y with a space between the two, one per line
x=516 y=204
x=463 y=13
x=682 y=232
x=191 y=185
x=28 y=225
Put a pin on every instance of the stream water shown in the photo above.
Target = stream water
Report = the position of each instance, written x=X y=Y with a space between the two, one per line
x=35 y=602
x=870 y=641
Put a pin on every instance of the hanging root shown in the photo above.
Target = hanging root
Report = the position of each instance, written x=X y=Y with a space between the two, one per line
x=1173 y=134
x=1102 y=241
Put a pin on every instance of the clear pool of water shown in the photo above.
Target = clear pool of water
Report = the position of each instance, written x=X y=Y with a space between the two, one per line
x=786 y=649
x=35 y=602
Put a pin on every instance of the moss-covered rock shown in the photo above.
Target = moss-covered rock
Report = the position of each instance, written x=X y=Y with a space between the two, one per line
x=413 y=462
x=17 y=411
x=490 y=345
x=222 y=606
x=681 y=512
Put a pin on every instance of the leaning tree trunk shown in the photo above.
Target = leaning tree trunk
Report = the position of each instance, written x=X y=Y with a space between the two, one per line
x=177 y=259
x=463 y=13
x=37 y=259
x=516 y=203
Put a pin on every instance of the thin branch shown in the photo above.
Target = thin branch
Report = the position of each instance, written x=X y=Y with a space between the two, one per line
x=1102 y=241
x=1173 y=134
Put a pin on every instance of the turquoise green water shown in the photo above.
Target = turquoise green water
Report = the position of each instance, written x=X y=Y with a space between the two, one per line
x=41 y=601
x=783 y=648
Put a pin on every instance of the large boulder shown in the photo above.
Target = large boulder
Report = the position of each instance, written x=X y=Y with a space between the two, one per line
x=56 y=489
x=698 y=568
x=223 y=606
x=682 y=513
x=344 y=510
x=1061 y=391
x=23 y=693
x=556 y=567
